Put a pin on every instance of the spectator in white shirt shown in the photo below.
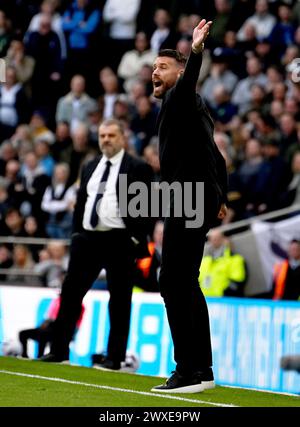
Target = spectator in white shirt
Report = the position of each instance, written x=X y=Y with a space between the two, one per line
x=121 y=17
x=262 y=21
x=132 y=61
x=74 y=107
x=110 y=85
x=14 y=104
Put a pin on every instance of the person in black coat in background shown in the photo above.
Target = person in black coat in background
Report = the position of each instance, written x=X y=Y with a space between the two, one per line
x=44 y=46
x=188 y=153
x=103 y=238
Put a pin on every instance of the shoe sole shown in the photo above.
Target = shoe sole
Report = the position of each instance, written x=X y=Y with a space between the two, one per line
x=101 y=368
x=208 y=385
x=196 y=388
x=128 y=370
x=125 y=370
x=61 y=362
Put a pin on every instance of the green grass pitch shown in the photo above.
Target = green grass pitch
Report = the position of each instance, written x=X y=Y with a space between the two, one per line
x=37 y=384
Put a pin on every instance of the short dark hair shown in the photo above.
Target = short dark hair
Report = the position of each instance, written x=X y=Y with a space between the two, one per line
x=295 y=240
x=268 y=120
x=171 y=53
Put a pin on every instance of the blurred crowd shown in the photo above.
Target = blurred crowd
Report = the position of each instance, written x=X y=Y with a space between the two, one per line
x=72 y=63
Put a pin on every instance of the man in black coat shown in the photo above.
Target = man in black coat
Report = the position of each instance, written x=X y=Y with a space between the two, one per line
x=103 y=239
x=188 y=154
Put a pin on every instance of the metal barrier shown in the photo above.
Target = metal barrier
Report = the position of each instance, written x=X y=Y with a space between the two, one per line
x=19 y=272
x=246 y=223
x=31 y=240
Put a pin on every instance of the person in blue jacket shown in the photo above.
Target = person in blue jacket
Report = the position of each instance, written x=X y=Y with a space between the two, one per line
x=80 y=24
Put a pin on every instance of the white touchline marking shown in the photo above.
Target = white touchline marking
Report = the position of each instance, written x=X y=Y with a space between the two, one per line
x=124 y=390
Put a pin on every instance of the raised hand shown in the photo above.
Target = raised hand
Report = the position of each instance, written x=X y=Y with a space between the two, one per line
x=199 y=35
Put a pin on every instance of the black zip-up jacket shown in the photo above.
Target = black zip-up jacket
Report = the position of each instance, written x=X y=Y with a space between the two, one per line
x=187 y=149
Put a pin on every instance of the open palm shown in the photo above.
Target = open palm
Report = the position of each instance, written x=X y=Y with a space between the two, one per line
x=200 y=33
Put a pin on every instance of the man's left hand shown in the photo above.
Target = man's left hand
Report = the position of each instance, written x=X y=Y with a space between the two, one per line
x=199 y=35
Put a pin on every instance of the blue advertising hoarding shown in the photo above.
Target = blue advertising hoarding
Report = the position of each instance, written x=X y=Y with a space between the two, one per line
x=248 y=336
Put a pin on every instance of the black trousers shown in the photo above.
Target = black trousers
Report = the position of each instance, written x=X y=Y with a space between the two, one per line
x=185 y=304
x=89 y=253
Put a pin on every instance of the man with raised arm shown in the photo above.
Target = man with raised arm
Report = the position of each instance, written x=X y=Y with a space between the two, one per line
x=188 y=153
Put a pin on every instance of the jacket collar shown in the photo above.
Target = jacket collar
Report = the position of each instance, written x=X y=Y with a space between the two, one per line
x=70 y=97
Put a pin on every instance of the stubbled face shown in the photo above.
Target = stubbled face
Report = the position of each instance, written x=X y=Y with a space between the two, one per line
x=111 y=140
x=166 y=72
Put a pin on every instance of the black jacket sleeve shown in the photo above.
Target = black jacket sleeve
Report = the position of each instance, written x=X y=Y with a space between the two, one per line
x=191 y=71
x=222 y=175
x=189 y=81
